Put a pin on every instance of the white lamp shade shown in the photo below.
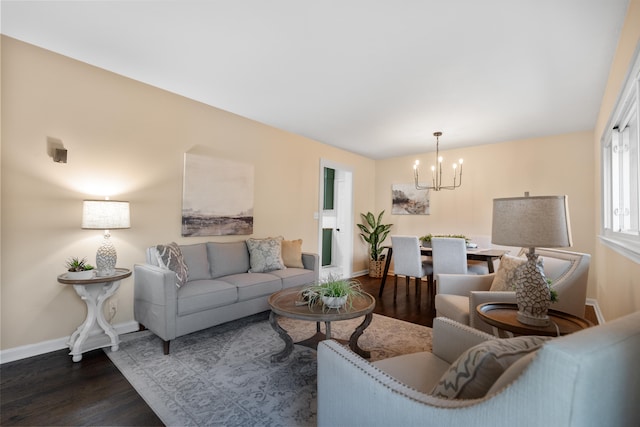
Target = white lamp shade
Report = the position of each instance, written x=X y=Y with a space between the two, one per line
x=530 y=222
x=105 y=215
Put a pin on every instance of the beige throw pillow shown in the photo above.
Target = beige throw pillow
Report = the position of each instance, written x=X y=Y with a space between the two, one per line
x=292 y=253
x=477 y=369
x=504 y=278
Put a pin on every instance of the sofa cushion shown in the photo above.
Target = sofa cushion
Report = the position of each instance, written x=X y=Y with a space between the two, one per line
x=512 y=372
x=292 y=253
x=227 y=258
x=265 y=254
x=294 y=276
x=475 y=371
x=170 y=256
x=205 y=294
x=195 y=256
x=254 y=285
x=411 y=369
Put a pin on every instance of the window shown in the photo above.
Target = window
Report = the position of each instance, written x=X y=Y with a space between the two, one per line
x=621 y=171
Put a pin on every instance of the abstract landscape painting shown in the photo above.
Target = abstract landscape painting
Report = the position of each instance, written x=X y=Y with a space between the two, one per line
x=407 y=200
x=217 y=197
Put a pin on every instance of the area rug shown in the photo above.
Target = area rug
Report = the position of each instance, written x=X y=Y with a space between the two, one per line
x=223 y=376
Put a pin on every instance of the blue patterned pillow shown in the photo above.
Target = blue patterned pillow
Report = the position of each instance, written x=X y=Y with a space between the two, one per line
x=265 y=254
x=170 y=256
x=475 y=371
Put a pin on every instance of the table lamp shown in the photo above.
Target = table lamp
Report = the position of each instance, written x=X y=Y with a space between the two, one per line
x=105 y=215
x=530 y=222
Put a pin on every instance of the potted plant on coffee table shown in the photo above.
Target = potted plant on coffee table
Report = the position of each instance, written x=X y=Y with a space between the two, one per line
x=332 y=293
x=79 y=269
x=373 y=231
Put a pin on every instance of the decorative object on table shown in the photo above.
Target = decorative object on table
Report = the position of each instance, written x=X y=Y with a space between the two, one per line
x=531 y=222
x=332 y=293
x=217 y=198
x=79 y=269
x=373 y=231
x=425 y=241
x=406 y=200
x=105 y=215
x=436 y=172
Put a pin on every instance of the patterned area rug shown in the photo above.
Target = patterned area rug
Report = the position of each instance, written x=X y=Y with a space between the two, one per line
x=223 y=375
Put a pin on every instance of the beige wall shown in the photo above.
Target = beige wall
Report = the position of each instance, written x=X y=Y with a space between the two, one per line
x=126 y=140
x=617 y=277
x=543 y=166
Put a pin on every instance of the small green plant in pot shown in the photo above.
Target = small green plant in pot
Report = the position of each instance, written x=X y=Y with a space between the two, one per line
x=374 y=232
x=79 y=268
x=332 y=293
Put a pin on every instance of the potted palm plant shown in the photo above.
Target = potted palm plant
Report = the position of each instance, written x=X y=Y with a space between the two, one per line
x=373 y=231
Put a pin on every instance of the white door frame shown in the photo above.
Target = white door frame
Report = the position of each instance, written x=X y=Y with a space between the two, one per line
x=342 y=250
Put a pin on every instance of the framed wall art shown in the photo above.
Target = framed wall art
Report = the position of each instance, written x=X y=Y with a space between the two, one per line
x=217 y=197
x=407 y=200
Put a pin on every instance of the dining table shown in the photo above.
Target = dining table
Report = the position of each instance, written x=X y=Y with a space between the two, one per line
x=473 y=254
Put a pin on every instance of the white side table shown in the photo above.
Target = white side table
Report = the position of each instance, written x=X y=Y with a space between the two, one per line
x=95 y=332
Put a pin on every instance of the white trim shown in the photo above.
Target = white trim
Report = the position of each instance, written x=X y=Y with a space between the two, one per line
x=30 y=350
x=594 y=303
x=627 y=248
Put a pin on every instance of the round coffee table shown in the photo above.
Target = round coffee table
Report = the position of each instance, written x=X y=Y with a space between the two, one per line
x=502 y=315
x=288 y=303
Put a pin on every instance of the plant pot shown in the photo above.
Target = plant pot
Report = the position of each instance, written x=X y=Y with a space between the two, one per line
x=376 y=268
x=80 y=275
x=334 y=302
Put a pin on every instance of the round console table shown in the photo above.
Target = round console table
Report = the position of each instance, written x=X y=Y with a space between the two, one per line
x=503 y=316
x=95 y=332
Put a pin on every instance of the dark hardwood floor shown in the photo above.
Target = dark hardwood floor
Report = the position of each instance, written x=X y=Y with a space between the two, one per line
x=52 y=390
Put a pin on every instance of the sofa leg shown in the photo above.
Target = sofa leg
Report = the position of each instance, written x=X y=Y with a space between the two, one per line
x=166 y=347
x=141 y=327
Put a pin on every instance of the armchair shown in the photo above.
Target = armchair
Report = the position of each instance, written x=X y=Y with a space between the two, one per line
x=585 y=379
x=458 y=295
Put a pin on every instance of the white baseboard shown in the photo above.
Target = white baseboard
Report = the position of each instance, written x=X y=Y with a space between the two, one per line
x=596 y=308
x=30 y=350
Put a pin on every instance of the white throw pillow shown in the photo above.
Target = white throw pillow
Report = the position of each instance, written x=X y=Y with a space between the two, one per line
x=504 y=278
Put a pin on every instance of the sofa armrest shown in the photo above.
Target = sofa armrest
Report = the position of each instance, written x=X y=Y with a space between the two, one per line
x=450 y=339
x=311 y=262
x=463 y=284
x=155 y=299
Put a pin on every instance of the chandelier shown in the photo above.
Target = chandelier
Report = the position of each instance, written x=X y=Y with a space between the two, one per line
x=436 y=172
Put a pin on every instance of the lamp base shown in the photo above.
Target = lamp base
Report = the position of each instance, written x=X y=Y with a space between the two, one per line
x=532 y=293
x=106 y=258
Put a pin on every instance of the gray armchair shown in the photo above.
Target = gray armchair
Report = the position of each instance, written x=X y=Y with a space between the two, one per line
x=458 y=295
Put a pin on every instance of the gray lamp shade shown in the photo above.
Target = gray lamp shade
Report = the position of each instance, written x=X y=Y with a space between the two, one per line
x=530 y=222
x=105 y=215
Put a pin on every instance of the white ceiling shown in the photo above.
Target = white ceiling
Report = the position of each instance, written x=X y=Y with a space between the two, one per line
x=375 y=77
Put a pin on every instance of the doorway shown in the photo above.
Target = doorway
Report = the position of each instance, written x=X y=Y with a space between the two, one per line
x=335 y=224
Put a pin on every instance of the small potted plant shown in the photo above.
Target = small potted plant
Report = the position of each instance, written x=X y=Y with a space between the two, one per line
x=426 y=240
x=332 y=293
x=373 y=231
x=79 y=269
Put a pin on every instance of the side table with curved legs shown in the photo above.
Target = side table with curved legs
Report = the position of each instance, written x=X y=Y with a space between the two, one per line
x=95 y=332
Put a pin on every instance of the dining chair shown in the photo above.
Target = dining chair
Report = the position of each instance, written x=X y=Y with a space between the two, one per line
x=450 y=257
x=408 y=262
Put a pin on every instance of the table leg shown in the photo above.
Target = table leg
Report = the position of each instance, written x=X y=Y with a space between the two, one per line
x=386 y=270
x=92 y=332
x=288 y=342
x=490 y=264
x=353 y=341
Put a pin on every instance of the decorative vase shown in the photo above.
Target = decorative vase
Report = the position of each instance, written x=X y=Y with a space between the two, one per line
x=334 y=302
x=376 y=268
x=533 y=295
x=80 y=275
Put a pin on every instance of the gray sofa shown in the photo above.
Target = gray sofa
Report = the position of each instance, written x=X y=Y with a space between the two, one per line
x=219 y=288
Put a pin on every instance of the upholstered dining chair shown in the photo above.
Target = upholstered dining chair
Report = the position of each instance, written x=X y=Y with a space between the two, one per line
x=408 y=262
x=450 y=257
